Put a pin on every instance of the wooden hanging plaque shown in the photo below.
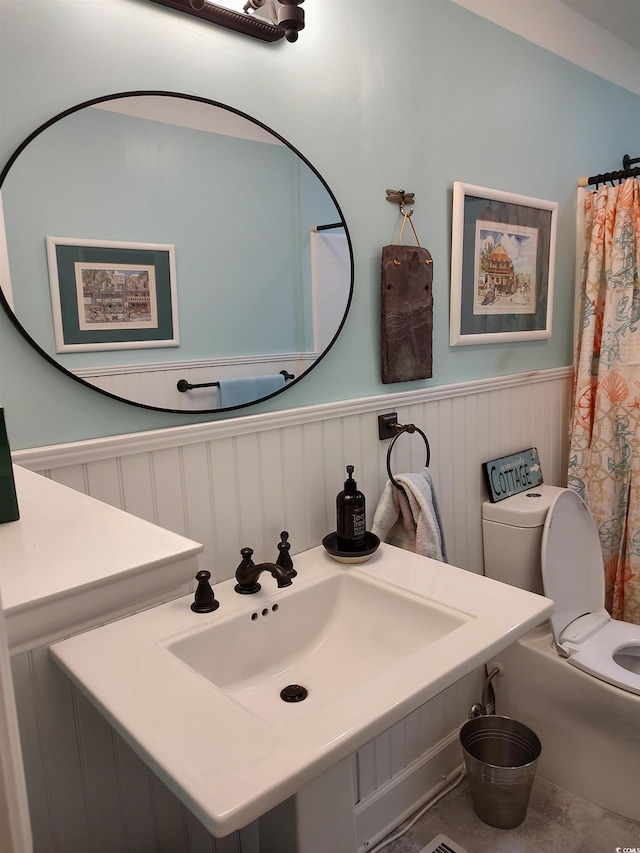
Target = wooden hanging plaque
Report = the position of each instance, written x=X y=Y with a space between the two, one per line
x=407 y=313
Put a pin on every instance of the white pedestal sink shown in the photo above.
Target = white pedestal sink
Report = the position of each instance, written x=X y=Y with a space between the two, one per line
x=198 y=696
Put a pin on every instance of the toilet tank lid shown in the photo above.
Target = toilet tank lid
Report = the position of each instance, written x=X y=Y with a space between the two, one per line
x=528 y=509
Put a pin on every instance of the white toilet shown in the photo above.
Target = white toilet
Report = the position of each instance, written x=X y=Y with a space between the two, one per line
x=577 y=687
x=545 y=540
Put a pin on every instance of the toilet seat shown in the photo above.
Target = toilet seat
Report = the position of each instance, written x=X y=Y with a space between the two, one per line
x=573 y=577
x=596 y=654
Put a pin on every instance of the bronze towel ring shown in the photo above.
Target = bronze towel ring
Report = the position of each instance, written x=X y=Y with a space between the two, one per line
x=409 y=428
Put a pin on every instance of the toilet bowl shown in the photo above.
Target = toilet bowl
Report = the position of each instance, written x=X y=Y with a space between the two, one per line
x=569 y=569
x=575 y=680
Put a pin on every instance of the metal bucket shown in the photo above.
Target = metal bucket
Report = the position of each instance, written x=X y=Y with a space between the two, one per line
x=500 y=755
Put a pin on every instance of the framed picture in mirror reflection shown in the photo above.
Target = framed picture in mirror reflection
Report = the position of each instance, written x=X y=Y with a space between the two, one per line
x=108 y=295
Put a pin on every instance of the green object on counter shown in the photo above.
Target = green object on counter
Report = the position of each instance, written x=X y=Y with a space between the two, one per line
x=8 y=500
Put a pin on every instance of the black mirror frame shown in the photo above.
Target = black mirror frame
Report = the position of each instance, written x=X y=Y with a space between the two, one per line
x=4 y=304
x=290 y=21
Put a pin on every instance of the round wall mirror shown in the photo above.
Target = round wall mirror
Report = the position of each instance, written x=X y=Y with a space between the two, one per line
x=172 y=252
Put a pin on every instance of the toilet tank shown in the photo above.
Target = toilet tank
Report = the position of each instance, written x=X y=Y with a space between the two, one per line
x=512 y=537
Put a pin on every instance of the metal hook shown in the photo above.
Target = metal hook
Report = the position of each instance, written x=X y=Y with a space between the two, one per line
x=401 y=197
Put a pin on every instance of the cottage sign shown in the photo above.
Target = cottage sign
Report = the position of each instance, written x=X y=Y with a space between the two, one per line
x=513 y=474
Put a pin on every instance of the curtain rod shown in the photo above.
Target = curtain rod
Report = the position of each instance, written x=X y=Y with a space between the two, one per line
x=625 y=172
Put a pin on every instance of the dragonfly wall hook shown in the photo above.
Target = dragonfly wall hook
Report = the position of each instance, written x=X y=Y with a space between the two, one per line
x=401 y=197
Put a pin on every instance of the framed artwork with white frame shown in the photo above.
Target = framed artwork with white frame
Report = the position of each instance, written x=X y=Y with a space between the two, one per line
x=502 y=266
x=108 y=295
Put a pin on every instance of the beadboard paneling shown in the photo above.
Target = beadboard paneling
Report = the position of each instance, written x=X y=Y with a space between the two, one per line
x=230 y=484
x=233 y=483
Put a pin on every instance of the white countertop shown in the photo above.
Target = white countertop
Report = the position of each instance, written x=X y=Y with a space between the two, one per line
x=71 y=562
x=228 y=765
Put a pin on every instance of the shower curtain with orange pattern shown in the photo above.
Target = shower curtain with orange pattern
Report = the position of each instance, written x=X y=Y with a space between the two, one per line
x=604 y=455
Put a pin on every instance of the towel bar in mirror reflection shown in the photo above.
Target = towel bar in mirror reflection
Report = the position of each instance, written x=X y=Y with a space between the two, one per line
x=138 y=171
x=183 y=385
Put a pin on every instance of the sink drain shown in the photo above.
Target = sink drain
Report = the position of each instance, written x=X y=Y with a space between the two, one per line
x=294 y=693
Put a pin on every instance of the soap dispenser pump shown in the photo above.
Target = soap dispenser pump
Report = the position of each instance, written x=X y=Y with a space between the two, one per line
x=350 y=516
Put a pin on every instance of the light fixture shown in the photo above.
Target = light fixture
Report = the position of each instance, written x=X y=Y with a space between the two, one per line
x=286 y=15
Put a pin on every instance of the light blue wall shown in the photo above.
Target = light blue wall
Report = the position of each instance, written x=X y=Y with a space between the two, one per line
x=377 y=95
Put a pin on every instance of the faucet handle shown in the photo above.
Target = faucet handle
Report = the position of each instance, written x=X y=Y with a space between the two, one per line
x=204 y=600
x=246 y=554
x=284 y=557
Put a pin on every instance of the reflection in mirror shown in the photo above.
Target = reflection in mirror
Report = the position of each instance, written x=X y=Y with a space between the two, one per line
x=187 y=243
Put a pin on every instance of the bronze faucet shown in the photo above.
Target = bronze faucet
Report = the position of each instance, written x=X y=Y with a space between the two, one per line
x=247 y=574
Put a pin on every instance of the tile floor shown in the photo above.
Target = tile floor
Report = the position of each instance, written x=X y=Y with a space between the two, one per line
x=556 y=822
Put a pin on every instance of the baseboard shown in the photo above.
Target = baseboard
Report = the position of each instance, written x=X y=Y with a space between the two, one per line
x=407 y=791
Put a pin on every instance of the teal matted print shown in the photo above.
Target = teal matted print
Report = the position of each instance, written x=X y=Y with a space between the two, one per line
x=107 y=295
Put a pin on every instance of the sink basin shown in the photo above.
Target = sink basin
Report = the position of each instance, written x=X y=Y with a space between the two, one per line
x=327 y=638
x=197 y=696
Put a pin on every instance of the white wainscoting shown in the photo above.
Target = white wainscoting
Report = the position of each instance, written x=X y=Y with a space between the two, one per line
x=240 y=482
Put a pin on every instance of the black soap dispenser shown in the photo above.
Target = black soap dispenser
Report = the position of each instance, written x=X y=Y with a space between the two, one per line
x=350 y=516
